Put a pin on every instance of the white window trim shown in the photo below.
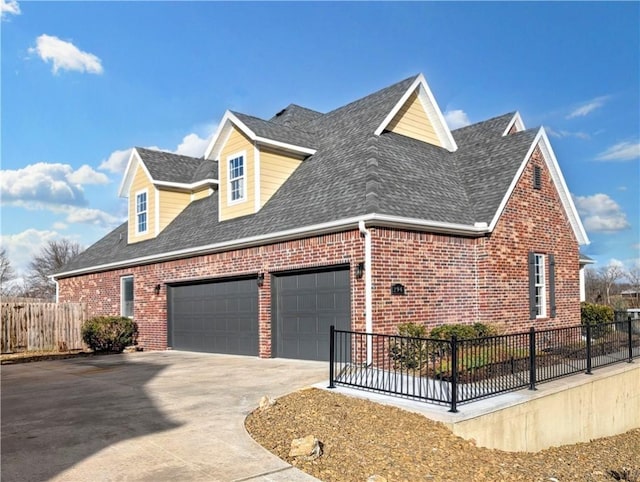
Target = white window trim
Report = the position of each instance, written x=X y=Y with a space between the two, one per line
x=135 y=211
x=540 y=258
x=242 y=199
x=122 y=300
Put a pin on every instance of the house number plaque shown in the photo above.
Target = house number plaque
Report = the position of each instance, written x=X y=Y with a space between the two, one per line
x=397 y=289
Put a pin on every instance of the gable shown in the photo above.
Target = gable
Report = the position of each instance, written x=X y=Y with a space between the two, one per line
x=237 y=144
x=406 y=112
x=412 y=121
x=141 y=183
x=543 y=153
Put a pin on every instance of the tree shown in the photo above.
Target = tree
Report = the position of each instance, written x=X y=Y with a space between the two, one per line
x=633 y=277
x=7 y=273
x=593 y=286
x=53 y=256
x=609 y=275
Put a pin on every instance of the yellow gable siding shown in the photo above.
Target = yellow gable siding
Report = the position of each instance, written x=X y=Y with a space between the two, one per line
x=412 y=121
x=141 y=182
x=172 y=203
x=237 y=143
x=275 y=168
x=202 y=193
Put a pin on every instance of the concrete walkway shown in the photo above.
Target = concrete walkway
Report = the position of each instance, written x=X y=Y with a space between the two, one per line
x=153 y=416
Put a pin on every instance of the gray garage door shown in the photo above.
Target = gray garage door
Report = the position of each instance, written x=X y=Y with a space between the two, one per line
x=305 y=305
x=219 y=317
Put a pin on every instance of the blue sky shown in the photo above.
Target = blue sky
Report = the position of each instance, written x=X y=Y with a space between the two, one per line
x=83 y=82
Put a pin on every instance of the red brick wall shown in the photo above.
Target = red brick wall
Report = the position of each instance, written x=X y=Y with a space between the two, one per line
x=101 y=291
x=448 y=279
x=452 y=279
x=533 y=220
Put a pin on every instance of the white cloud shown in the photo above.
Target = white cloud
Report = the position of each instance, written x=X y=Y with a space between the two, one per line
x=623 y=151
x=22 y=247
x=192 y=145
x=93 y=217
x=60 y=226
x=9 y=7
x=87 y=175
x=588 y=107
x=563 y=133
x=116 y=162
x=456 y=118
x=600 y=213
x=65 y=56
x=48 y=183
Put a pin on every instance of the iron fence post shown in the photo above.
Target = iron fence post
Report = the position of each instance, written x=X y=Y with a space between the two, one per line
x=630 y=339
x=332 y=353
x=454 y=374
x=532 y=358
x=588 y=348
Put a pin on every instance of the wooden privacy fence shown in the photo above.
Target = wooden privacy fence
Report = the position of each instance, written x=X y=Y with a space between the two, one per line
x=42 y=326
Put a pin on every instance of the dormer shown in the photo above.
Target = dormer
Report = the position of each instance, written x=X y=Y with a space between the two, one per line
x=159 y=186
x=418 y=116
x=255 y=157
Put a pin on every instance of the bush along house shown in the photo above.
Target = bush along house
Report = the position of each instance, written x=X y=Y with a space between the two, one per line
x=365 y=217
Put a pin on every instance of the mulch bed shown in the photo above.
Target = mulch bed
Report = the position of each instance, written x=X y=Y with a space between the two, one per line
x=362 y=438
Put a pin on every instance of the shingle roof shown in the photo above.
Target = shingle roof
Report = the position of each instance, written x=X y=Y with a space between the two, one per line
x=168 y=167
x=277 y=132
x=295 y=116
x=352 y=173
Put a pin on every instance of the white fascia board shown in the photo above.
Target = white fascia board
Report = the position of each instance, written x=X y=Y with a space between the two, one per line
x=185 y=186
x=217 y=136
x=563 y=190
x=313 y=230
x=431 y=109
x=556 y=175
x=222 y=134
x=129 y=172
x=389 y=220
x=286 y=146
x=516 y=120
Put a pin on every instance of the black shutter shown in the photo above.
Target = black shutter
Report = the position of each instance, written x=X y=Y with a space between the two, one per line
x=532 y=286
x=552 y=285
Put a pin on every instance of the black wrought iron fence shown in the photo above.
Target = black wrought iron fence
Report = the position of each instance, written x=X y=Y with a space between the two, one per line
x=456 y=371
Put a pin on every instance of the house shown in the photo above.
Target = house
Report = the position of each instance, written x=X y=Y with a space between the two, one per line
x=368 y=216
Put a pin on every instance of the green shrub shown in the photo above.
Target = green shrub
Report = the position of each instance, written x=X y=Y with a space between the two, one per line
x=109 y=333
x=597 y=316
x=410 y=354
x=462 y=331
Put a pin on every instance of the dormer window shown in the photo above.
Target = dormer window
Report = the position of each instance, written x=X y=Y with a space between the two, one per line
x=141 y=212
x=236 y=178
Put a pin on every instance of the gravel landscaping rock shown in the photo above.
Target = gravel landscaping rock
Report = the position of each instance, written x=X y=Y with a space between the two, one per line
x=360 y=439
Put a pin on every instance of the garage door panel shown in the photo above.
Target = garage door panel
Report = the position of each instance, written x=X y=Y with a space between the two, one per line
x=217 y=317
x=307 y=304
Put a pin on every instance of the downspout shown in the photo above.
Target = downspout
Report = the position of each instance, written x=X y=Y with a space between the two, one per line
x=368 y=283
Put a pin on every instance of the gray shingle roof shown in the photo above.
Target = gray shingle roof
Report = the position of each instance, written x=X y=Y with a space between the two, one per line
x=352 y=173
x=295 y=116
x=277 y=132
x=168 y=167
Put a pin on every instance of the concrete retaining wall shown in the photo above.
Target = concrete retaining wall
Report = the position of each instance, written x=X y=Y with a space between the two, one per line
x=570 y=410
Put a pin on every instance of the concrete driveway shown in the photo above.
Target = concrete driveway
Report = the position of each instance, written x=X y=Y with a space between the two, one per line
x=143 y=416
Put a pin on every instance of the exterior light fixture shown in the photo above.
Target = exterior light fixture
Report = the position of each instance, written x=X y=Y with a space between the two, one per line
x=360 y=270
x=260 y=279
x=156 y=289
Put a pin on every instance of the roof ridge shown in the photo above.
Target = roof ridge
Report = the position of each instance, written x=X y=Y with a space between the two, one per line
x=275 y=125
x=377 y=92
x=372 y=177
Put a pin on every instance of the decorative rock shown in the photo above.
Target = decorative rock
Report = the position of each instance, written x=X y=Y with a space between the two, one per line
x=306 y=448
x=266 y=402
x=376 y=478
